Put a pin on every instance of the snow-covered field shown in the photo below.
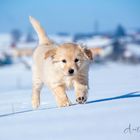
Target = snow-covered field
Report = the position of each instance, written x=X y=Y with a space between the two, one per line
x=111 y=113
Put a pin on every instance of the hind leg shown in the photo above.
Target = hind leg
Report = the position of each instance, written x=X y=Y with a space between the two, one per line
x=36 y=95
x=36 y=88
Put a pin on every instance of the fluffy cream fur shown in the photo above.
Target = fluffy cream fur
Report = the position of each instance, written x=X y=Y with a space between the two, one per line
x=52 y=63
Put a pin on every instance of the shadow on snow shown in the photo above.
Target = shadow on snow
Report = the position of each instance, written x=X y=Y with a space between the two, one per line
x=125 y=96
x=128 y=95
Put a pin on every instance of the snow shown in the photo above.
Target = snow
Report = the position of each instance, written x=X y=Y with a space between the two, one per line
x=104 y=117
x=61 y=39
x=14 y=77
x=134 y=49
x=97 y=41
x=27 y=45
x=5 y=40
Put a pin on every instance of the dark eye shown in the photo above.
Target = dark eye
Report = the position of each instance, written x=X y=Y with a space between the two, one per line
x=64 y=61
x=76 y=60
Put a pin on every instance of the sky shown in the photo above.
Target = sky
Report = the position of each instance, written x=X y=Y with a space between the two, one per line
x=70 y=16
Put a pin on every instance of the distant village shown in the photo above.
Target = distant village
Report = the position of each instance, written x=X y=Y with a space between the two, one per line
x=119 y=46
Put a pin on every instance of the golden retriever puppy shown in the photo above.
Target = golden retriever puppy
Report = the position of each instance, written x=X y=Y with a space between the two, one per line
x=60 y=67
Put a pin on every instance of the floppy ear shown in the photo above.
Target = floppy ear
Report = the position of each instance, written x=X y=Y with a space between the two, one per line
x=88 y=53
x=50 y=53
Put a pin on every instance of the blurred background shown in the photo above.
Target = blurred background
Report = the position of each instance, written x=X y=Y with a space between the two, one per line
x=114 y=26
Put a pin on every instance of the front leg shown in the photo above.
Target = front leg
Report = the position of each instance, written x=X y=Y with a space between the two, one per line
x=61 y=96
x=81 y=92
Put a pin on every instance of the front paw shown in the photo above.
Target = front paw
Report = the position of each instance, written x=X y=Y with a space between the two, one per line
x=64 y=103
x=81 y=100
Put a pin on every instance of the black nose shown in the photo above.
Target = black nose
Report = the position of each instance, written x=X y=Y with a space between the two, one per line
x=71 y=71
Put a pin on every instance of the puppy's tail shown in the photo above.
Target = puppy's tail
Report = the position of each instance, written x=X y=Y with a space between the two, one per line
x=43 y=38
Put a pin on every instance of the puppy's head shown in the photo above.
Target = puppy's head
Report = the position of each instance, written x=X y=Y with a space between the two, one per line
x=70 y=58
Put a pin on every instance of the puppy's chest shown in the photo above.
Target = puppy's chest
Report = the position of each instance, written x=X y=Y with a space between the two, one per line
x=68 y=81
